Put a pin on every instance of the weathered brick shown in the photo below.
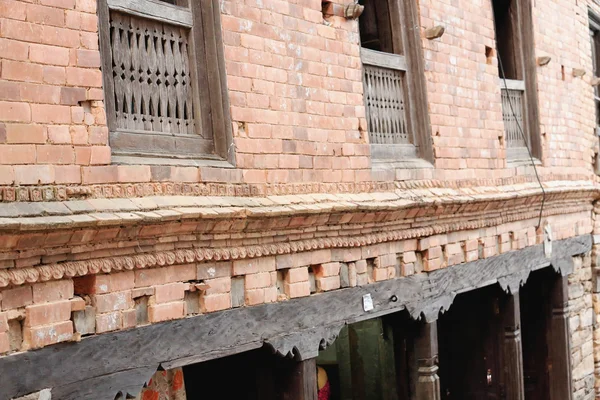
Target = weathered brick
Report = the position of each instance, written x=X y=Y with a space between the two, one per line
x=165 y=312
x=47 y=313
x=41 y=336
x=53 y=291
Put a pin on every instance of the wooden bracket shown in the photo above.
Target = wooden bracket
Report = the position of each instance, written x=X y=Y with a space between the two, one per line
x=435 y=32
x=544 y=60
x=353 y=11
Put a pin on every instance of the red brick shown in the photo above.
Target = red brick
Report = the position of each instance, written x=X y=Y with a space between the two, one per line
x=100 y=155
x=77 y=304
x=51 y=55
x=99 y=174
x=4 y=343
x=21 y=30
x=253 y=265
x=256 y=281
x=33 y=174
x=218 y=285
x=294 y=275
x=88 y=58
x=113 y=301
x=67 y=4
x=25 y=134
x=53 y=114
x=7 y=175
x=166 y=312
x=254 y=296
x=150 y=277
x=17 y=297
x=84 y=77
x=47 y=313
x=328 y=283
x=170 y=292
x=13 y=50
x=215 y=302
x=328 y=269
x=298 y=289
x=55 y=154
x=41 y=336
x=53 y=291
x=3 y=322
x=181 y=273
x=45 y=15
x=67 y=174
x=109 y=322
x=14 y=112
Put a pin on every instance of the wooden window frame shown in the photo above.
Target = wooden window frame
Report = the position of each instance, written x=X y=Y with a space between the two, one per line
x=406 y=40
x=528 y=68
x=594 y=30
x=207 y=65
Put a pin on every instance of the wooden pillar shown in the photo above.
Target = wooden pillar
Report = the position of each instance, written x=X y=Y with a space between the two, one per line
x=426 y=354
x=301 y=381
x=513 y=350
x=560 y=346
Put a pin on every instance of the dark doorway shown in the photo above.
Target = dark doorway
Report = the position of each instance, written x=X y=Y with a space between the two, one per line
x=254 y=375
x=370 y=360
x=536 y=313
x=470 y=346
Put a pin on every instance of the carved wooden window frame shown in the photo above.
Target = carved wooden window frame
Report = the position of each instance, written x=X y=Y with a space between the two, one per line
x=408 y=58
x=207 y=77
x=526 y=70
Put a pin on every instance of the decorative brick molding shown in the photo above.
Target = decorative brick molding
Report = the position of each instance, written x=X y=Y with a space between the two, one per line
x=128 y=190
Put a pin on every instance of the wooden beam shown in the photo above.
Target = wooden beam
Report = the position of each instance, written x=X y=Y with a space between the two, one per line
x=210 y=336
x=560 y=342
x=513 y=350
x=301 y=381
x=426 y=354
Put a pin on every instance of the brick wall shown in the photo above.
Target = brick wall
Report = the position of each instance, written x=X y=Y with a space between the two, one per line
x=296 y=96
x=298 y=121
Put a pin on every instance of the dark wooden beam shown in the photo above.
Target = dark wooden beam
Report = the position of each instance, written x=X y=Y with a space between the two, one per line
x=426 y=354
x=301 y=381
x=205 y=337
x=560 y=342
x=513 y=350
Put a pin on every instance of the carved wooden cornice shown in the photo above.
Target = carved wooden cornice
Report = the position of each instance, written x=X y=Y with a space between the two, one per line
x=100 y=366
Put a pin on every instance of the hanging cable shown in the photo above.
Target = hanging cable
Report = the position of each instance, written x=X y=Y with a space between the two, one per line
x=520 y=128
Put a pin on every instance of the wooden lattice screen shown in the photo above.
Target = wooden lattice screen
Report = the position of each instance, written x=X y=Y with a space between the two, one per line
x=512 y=114
x=151 y=73
x=383 y=76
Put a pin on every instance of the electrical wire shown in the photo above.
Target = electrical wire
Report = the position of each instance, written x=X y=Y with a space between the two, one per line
x=520 y=128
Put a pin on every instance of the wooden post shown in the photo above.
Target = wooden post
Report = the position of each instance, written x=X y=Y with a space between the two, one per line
x=301 y=382
x=560 y=346
x=513 y=350
x=426 y=352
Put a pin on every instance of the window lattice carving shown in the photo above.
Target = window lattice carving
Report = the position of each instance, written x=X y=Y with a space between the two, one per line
x=151 y=74
x=386 y=113
x=512 y=101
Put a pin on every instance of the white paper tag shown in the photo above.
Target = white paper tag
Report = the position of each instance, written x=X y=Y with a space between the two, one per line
x=548 y=241
x=367 y=302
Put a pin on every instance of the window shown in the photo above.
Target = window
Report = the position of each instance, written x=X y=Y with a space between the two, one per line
x=394 y=82
x=517 y=71
x=164 y=80
x=595 y=39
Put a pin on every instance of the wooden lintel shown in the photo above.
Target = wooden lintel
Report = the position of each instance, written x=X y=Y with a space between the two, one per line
x=62 y=367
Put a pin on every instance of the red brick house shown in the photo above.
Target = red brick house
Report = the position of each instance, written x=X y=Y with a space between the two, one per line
x=195 y=193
